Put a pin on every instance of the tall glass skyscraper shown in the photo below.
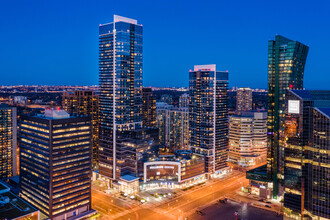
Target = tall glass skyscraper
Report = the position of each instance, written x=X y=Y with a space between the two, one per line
x=120 y=78
x=208 y=115
x=286 y=64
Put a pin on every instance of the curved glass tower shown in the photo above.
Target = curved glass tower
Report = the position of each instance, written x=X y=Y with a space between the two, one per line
x=286 y=64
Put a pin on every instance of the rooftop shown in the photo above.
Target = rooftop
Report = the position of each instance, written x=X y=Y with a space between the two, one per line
x=13 y=206
x=325 y=111
x=56 y=114
x=129 y=178
x=3 y=188
x=117 y=18
x=209 y=67
x=312 y=95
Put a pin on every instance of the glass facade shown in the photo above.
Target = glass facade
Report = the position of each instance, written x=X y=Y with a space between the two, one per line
x=303 y=154
x=286 y=63
x=318 y=182
x=208 y=115
x=55 y=164
x=148 y=108
x=8 y=141
x=120 y=78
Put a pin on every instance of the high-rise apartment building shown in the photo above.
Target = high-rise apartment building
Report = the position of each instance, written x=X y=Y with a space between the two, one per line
x=208 y=115
x=173 y=125
x=120 y=77
x=306 y=154
x=243 y=100
x=55 y=163
x=85 y=103
x=178 y=134
x=286 y=64
x=248 y=138
x=184 y=101
x=8 y=141
x=148 y=108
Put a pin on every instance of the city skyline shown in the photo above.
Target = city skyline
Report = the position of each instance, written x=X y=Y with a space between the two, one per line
x=160 y=135
x=74 y=60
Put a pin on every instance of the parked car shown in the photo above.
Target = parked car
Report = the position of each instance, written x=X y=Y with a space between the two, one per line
x=199 y=212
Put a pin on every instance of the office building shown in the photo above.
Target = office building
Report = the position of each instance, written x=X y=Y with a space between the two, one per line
x=173 y=125
x=55 y=163
x=208 y=116
x=243 y=100
x=286 y=64
x=148 y=108
x=248 y=138
x=120 y=77
x=306 y=154
x=85 y=103
x=318 y=200
x=184 y=101
x=8 y=141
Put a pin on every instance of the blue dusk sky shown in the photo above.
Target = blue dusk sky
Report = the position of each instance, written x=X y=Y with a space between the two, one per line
x=55 y=42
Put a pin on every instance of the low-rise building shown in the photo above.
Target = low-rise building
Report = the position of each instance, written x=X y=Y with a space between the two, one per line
x=179 y=170
x=14 y=208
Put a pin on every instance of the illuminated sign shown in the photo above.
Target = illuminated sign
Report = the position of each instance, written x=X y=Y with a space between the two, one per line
x=294 y=107
x=161 y=167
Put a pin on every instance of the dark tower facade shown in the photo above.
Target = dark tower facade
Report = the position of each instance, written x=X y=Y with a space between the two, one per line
x=286 y=64
x=148 y=108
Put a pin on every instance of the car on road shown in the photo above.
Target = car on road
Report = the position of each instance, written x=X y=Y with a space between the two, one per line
x=268 y=202
x=268 y=206
x=199 y=212
x=261 y=200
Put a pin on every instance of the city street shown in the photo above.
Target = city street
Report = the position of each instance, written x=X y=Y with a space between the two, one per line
x=182 y=205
